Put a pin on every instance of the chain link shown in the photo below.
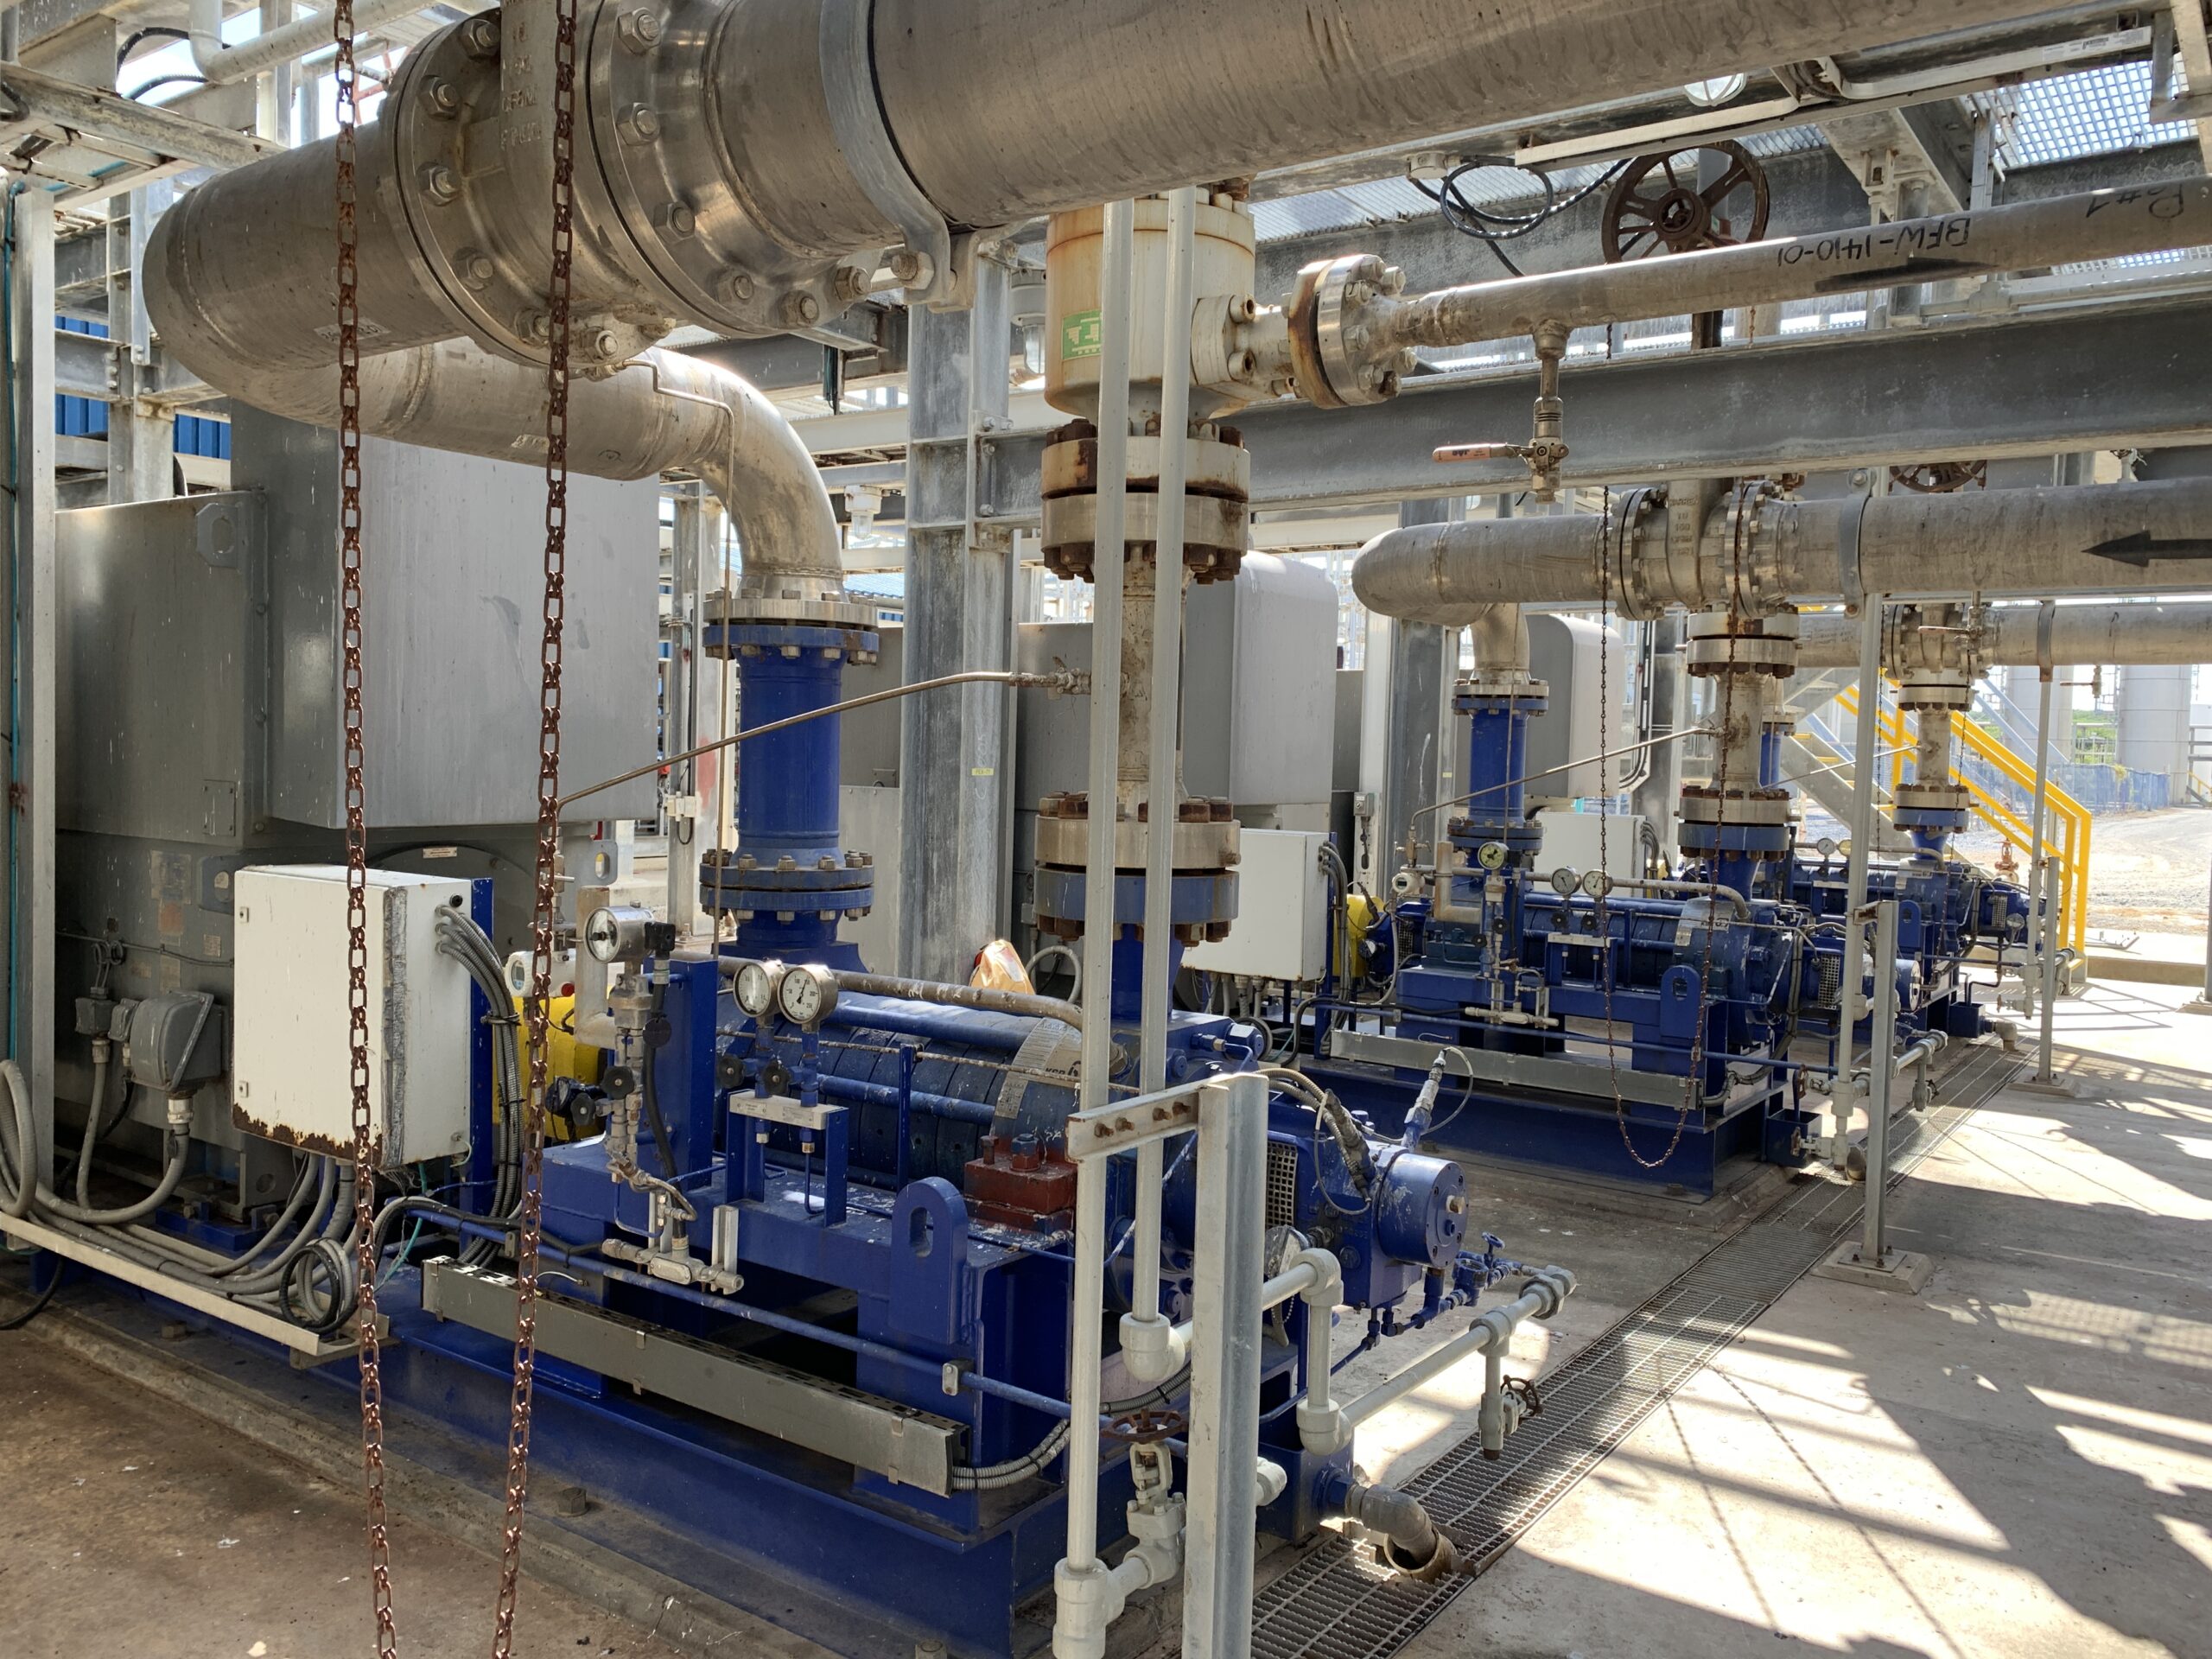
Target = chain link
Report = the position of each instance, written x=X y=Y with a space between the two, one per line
x=549 y=816
x=366 y=1151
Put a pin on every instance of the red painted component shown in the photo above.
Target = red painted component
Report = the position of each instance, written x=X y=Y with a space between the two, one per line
x=1020 y=1181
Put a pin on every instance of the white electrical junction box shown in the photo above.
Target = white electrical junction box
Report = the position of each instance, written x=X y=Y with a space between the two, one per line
x=1282 y=911
x=292 y=1054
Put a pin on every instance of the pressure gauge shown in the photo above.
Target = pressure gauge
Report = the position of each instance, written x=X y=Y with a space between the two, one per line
x=617 y=933
x=628 y=933
x=1825 y=846
x=806 y=994
x=1566 y=883
x=1492 y=856
x=1596 y=883
x=756 y=988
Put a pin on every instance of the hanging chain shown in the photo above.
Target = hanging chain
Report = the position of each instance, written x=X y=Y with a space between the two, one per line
x=366 y=1149
x=549 y=814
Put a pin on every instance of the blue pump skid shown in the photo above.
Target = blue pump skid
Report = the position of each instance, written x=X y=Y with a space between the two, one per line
x=885 y=1199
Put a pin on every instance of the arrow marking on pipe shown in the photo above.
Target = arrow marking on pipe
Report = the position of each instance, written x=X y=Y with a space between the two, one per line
x=2142 y=547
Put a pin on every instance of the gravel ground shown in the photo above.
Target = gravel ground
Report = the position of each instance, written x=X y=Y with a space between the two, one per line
x=2147 y=870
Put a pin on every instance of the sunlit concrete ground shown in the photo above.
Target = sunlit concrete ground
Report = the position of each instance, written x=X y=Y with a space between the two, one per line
x=2019 y=1462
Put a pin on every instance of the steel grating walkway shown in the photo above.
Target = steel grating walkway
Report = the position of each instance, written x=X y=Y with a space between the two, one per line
x=1336 y=1603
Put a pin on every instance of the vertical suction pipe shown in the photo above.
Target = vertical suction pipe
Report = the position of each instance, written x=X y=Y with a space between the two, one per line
x=1144 y=1327
x=1868 y=741
x=1098 y=885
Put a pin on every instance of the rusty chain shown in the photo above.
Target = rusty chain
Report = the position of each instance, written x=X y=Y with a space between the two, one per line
x=549 y=816
x=366 y=1149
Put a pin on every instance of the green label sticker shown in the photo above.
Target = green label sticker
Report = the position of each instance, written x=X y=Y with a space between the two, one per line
x=1079 y=336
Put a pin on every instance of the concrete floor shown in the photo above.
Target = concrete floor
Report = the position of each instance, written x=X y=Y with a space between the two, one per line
x=132 y=1528
x=2017 y=1462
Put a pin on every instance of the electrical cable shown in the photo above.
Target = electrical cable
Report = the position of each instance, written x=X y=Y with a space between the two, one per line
x=1493 y=228
x=166 y=81
x=37 y=1306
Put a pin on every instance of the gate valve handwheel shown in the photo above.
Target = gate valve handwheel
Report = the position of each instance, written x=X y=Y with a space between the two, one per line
x=1148 y=1426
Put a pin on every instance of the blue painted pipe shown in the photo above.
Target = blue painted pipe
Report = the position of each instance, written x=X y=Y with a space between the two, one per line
x=979 y=1112
x=969 y=1027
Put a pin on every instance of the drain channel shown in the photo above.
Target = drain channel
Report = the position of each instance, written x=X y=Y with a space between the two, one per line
x=1337 y=1602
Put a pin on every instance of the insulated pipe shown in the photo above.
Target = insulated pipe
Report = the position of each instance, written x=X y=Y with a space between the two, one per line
x=2091 y=225
x=663 y=411
x=2130 y=635
x=2111 y=539
x=767 y=116
x=219 y=64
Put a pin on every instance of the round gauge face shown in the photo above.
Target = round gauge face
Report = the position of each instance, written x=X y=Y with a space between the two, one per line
x=804 y=994
x=756 y=988
x=1492 y=855
x=603 y=935
x=1566 y=883
x=1827 y=846
x=1597 y=884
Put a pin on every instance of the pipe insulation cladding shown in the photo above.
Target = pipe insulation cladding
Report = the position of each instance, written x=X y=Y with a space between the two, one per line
x=2130 y=634
x=663 y=412
x=725 y=146
x=2116 y=538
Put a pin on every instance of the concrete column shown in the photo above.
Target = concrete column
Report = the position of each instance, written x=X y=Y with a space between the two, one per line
x=956 y=749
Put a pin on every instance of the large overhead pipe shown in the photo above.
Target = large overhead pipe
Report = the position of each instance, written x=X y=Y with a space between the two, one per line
x=1995 y=545
x=734 y=154
x=2138 y=634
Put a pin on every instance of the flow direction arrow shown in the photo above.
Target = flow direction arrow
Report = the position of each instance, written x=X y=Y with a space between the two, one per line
x=2142 y=547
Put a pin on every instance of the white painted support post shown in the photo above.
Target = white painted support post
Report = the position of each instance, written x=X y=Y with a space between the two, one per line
x=1229 y=1265
x=2037 y=944
x=1870 y=1261
x=1098 y=926
x=1881 y=1076
x=1145 y=1328
x=1866 y=784
x=2204 y=1004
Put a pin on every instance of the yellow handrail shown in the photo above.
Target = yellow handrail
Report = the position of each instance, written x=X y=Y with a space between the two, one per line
x=2071 y=819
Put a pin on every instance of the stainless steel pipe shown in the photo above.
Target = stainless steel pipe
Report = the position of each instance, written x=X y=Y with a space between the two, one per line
x=2128 y=634
x=2124 y=538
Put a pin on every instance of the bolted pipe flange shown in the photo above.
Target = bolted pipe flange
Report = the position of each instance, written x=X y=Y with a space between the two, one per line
x=1323 y=317
x=1217 y=510
x=721 y=265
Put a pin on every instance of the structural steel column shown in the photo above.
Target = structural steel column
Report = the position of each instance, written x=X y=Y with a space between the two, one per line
x=956 y=754
x=36 y=678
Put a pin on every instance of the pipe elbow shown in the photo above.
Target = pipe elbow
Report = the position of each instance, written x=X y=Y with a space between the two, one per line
x=1406 y=574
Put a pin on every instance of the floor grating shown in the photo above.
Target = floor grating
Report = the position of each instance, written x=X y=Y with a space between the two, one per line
x=1336 y=1603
